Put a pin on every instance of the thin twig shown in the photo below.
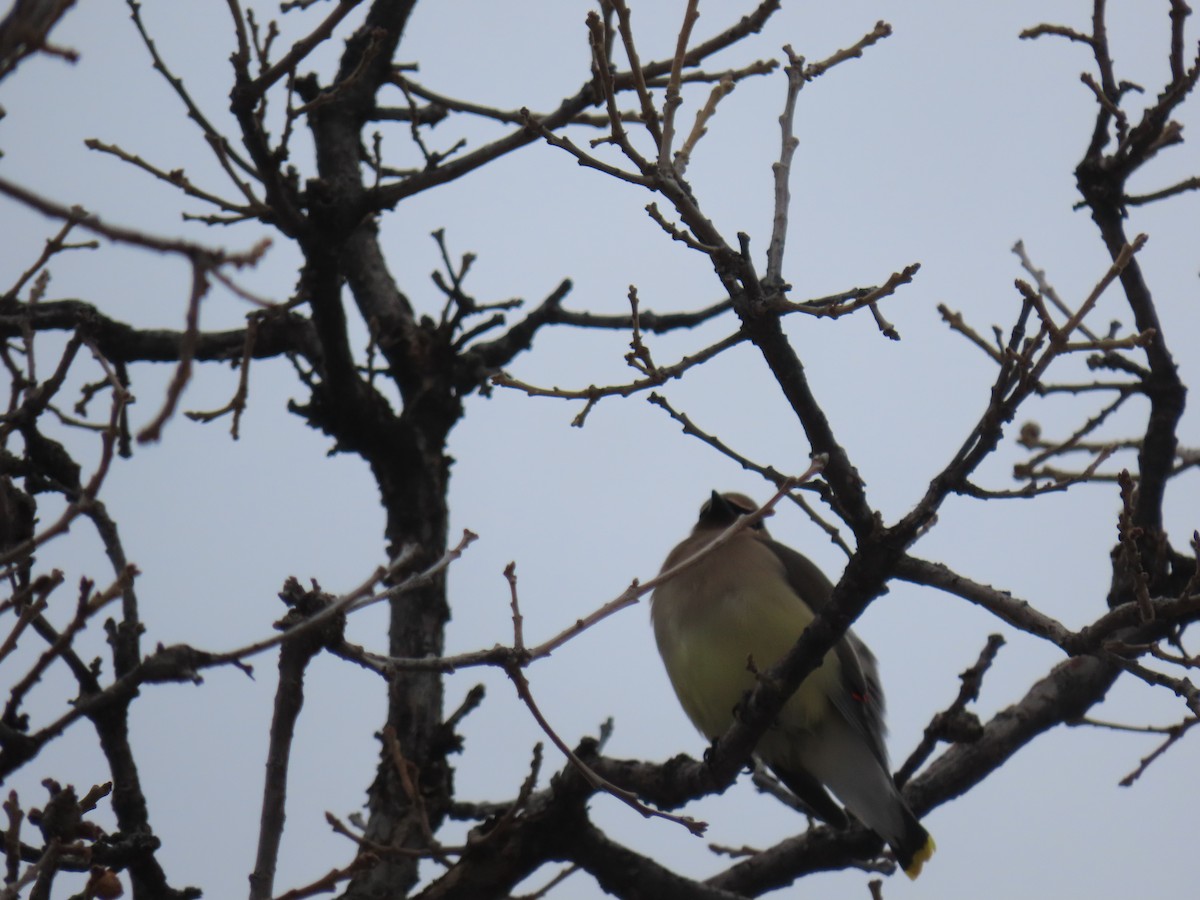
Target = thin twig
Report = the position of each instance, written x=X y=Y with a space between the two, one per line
x=783 y=168
x=504 y=656
x=770 y=473
x=1174 y=734
x=673 y=99
x=593 y=394
x=358 y=598
x=719 y=92
x=636 y=71
x=83 y=502
x=956 y=321
x=518 y=678
x=954 y=723
x=237 y=404
x=638 y=589
x=1044 y=286
x=1130 y=553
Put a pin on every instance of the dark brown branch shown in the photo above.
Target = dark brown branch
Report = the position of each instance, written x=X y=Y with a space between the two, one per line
x=1063 y=695
x=1101 y=180
x=279 y=333
x=1018 y=613
x=25 y=31
x=626 y=873
x=848 y=490
x=294 y=657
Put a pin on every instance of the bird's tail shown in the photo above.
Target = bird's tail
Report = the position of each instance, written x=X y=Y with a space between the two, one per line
x=913 y=846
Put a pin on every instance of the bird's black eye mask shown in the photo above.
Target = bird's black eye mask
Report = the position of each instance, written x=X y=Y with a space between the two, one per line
x=723 y=510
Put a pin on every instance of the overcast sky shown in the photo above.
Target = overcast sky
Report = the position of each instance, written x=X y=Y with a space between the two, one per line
x=944 y=145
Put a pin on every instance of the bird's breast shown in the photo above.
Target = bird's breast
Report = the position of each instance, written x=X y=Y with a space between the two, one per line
x=714 y=620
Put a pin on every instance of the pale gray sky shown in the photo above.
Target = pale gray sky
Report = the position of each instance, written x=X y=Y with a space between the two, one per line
x=945 y=144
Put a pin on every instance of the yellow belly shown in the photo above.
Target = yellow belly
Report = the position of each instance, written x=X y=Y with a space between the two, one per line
x=709 y=626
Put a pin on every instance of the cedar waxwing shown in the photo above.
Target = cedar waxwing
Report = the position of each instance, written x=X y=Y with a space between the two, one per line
x=750 y=599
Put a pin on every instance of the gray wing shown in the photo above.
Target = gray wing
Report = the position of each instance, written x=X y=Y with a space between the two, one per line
x=861 y=702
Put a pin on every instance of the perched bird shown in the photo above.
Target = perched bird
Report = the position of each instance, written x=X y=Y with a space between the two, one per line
x=750 y=599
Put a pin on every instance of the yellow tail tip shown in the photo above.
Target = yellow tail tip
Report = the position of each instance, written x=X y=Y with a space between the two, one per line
x=913 y=869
